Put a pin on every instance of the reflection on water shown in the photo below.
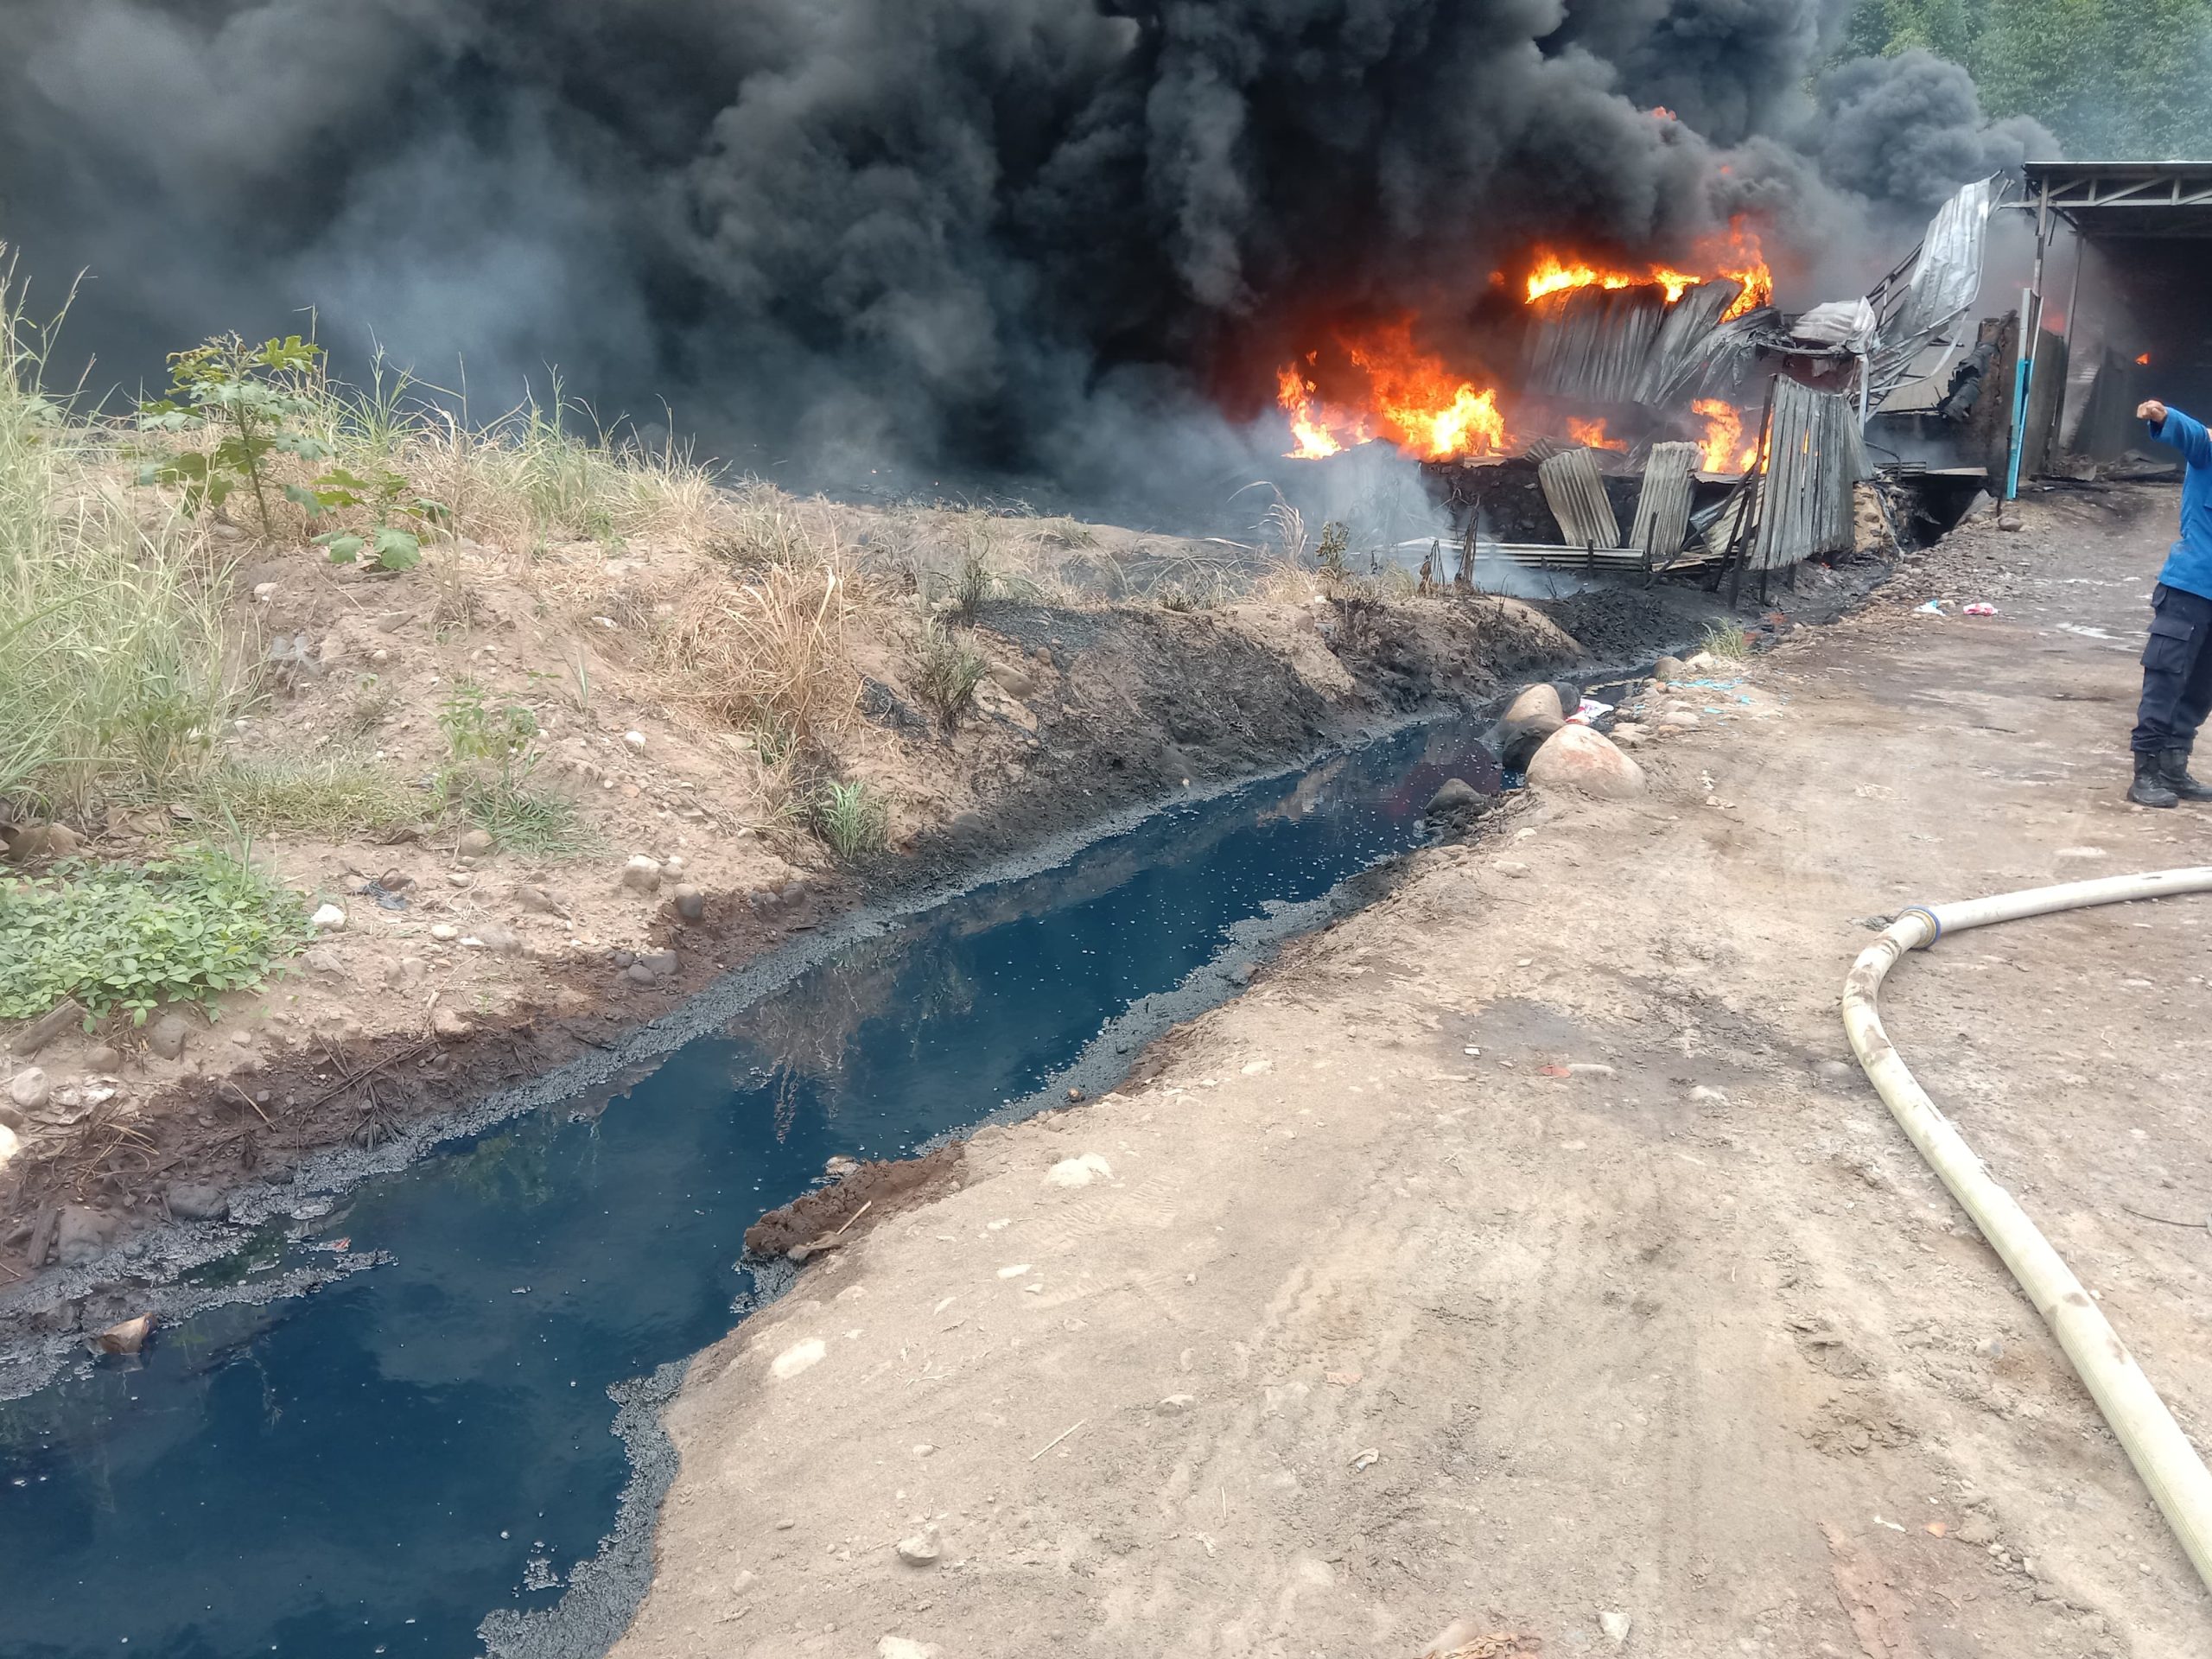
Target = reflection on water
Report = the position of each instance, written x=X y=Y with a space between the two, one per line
x=371 y=1469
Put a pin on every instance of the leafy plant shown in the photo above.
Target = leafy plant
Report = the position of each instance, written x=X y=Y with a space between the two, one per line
x=1335 y=540
x=186 y=928
x=248 y=400
x=852 y=820
x=475 y=731
x=389 y=542
x=532 y=822
x=946 y=675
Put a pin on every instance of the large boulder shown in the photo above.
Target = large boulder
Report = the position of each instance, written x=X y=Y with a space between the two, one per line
x=1575 y=758
x=1528 y=720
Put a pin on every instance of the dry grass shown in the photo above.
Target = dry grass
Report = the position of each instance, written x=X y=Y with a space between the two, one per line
x=772 y=653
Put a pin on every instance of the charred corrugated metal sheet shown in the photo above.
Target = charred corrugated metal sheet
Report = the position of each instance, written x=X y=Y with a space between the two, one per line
x=1591 y=344
x=1662 y=512
x=1578 y=499
x=1814 y=458
x=1676 y=362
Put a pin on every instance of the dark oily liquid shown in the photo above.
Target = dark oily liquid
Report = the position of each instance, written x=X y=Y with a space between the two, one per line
x=374 y=1468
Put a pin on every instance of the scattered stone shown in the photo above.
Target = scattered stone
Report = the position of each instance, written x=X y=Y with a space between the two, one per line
x=1669 y=668
x=641 y=874
x=673 y=864
x=1512 y=868
x=639 y=974
x=105 y=1056
x=661 y=965
x=61 y=1017
x=395 y=881
x=1680 y=720
x=919 y=1550
x=839 y=1166
x=81 y=1234
x=1528 y=720
x=1702 y=662
x=447 y=1023
x=1990 y=1348
x=475 y=844
x=323 y=963
x=798 y=1357
x=1705 y=1096
x=30 y=1089
x=923 y=1449
x=1616 y=1627
x=26 y=841
x=445 y=932
x=1977 y=1529
x=900 y=1647
x=1834 y=1071
x=168 y=1035
x=1079 y=1172
x=127 y=1338
x=392 y=621
x=264 y=593
x=538 y=900
x=691 y=904
x=1075 y=1097
x=635 y=739
x=1576 y=758
x=793 y=892
x=1242 y=974
x=10 y=1144
x=328 y=919
x=1591 y=1069
x=196 y=1201
x=1454 y=795
x=405 y=972
x=1175 y=1404
x=459 y=878
x=499 y=941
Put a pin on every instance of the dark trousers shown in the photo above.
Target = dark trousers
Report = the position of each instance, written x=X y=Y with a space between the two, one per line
x=2177 y=671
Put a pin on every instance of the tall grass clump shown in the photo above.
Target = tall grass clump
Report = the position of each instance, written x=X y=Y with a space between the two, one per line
x=947 y=671
x=112 y=667
x=852 y=820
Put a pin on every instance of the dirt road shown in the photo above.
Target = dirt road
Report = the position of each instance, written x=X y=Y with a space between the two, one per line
x=1373 y=1316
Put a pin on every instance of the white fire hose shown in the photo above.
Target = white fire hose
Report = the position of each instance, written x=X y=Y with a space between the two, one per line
x=2160 y=1451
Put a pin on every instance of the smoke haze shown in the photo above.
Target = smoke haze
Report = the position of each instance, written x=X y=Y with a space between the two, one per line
x=986 y=239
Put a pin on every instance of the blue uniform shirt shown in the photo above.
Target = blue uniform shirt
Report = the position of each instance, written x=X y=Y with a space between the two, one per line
x=2189 y=566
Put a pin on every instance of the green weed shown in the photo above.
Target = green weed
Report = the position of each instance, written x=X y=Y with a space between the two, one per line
x=1726 y=640
x=337 y=798
x=852 y=820
x=186 y=928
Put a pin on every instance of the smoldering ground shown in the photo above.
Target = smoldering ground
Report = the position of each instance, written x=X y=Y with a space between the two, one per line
x=949 y=239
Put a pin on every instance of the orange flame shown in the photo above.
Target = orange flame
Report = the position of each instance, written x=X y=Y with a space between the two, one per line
x=1415 y=402
x=2144 y=359
x=1735 y=255
x=1725 y=448
x=1591 y=434
x=1664 y=113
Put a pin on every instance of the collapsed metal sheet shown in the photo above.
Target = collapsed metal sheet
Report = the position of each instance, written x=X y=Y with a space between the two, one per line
x=1679 y=355
x=1577 y=495
x=1663 y=511
x=1813 y=460
x=1946 y=279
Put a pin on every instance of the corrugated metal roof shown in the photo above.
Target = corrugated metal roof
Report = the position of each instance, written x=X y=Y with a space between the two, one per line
x=1663 y=511
x=1578 y=499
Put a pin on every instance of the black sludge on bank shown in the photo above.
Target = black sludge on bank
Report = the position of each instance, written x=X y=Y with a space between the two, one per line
x=375 y=1468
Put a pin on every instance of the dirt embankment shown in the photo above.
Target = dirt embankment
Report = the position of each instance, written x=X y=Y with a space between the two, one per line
x=1522 y=1257
x=463 y=964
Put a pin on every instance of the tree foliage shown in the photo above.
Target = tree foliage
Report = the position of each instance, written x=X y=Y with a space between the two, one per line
x=2114 y=79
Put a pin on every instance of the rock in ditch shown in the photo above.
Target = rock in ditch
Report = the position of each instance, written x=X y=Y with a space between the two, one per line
x=499 y=941
x=1528 y=720
x=475 y=844
x=1533 y=702
x=324 y=962
x=640 y=874
x=1575 y=758
x=328 y=919
x=448 y=1025
x=196 y=1201
x=1079 y=1172
x=30 y=1089
x=1454 y=795
x=406 y=973
x=1668 y=669
x=82 y=1234
x=168 y=1035
x=691 y=904
x=657 y=964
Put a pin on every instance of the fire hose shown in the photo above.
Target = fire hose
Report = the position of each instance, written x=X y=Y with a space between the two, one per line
x=2154 y=1443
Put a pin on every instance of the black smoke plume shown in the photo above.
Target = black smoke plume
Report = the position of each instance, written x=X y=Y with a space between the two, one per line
x=972 y=239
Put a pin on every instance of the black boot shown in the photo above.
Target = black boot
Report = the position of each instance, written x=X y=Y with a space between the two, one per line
x=2173 y=767
x=2151 y=787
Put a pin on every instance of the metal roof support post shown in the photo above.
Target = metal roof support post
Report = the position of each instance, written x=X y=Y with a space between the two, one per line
x=2052 y=438
x=2024 y=364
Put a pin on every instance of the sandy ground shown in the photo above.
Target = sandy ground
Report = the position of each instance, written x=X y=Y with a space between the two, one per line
x=1375 y=1317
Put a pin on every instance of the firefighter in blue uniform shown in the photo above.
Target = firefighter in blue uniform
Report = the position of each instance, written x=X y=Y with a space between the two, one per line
x=2177 y=661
